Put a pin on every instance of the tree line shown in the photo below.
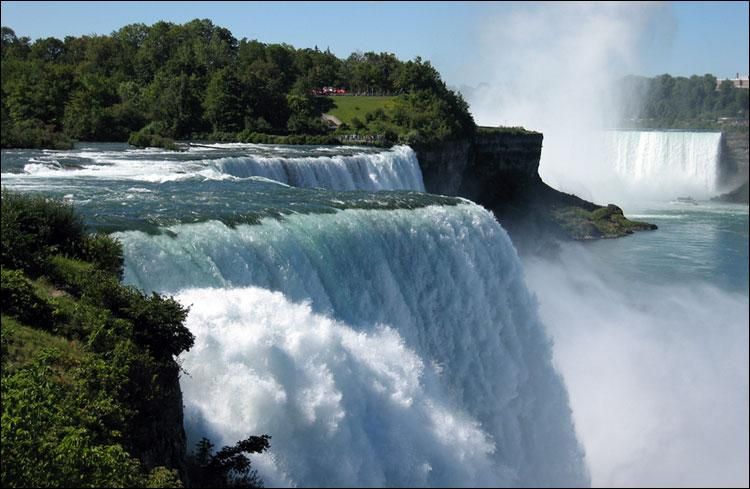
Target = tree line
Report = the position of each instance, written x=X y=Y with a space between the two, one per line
x=192 y=80
x=665 y=101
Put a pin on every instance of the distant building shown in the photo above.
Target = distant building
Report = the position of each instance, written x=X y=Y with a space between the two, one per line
x=738 y=82
x=329 y=91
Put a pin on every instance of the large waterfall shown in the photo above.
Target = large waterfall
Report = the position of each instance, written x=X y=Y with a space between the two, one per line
x=381 y=338
x=377 y=347
x=666 y=163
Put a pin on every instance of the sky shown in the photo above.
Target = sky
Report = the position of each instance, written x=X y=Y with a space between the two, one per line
x=681 y=38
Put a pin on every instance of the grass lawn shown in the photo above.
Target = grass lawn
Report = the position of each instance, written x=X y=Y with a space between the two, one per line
x=349 y=106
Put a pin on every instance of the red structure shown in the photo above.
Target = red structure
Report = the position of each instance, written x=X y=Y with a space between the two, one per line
x=329 y=91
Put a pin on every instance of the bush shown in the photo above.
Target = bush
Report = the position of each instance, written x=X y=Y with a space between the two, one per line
x=141 y=140
x=158 y=324
x=52 y=430
x=105 y=252
x=73 y=276
x=21 y=301
x=163 y=477
x=33 y=133
x=151 y=136
x=33 y=228
x=157 y=321
x=230 y=467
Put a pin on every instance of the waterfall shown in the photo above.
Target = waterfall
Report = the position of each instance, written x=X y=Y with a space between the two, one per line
x=665 y=163
x=395 y=169
x=377 y=347
x=338 y=168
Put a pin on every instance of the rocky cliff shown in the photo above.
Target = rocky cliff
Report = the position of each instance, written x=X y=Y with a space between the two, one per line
x=499 y=169
x=160 y=434
x=734 y=167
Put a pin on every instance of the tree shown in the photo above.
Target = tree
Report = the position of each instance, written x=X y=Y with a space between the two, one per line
x=224 y=106
x=230 y=467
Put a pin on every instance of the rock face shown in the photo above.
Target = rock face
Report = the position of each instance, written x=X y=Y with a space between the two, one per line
x=734 y=167
x=443 y=165
x=161 y=439
x=499 y=169
x=740 y=195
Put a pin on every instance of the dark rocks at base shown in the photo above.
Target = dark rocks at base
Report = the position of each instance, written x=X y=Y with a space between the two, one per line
x=740 y=195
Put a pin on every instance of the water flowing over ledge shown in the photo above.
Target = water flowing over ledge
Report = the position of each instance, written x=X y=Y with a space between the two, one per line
x=666 y=163
x=337 y=168
x=396 y=347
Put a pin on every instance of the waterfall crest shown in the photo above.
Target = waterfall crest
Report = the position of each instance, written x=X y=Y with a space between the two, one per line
x=378 y=348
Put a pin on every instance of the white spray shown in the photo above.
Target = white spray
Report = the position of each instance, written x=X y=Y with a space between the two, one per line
x=378 y=348
x=551 y=67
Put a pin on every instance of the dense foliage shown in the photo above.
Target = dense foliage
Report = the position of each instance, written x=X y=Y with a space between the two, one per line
x=678 y=102
x=88 y=364
x=189 y=81
x=229 y=467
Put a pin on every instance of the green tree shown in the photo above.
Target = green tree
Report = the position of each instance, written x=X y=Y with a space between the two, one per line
x=229 y=467
x=224 y=105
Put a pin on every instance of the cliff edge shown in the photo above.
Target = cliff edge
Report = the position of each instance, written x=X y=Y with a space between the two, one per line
x=734 y=168
x=499 y=169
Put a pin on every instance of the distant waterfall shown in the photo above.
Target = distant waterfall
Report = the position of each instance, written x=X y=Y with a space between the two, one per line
x=378 y=348
x=665 y=163
x=395 y=169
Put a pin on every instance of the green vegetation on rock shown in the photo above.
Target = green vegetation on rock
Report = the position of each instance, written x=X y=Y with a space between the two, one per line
x=603 y=222
x=89 y=376
x=510 y=130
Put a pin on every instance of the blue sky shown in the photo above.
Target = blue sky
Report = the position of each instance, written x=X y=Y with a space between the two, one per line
x=682 y=39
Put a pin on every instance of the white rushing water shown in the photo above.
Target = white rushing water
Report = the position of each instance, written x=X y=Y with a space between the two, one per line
x=396 y=169
x=666 y=162
x=354 y=168
x=685 y=162
x=656 y=368
x=633 y=167
x=378 y=348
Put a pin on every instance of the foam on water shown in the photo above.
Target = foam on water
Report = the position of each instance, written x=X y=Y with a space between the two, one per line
x=340 y=168
x=394 y=347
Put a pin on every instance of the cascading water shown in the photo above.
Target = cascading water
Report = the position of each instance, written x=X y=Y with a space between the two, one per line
x=336 y=168
x=378 y=348
x=381 y=338
x=666 y=163
x=396 y=169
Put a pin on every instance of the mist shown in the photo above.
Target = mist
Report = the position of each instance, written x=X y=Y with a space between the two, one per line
x=550 y=67
x=657 y=373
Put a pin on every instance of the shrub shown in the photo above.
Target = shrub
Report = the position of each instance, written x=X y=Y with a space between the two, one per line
x=33 y=133
x=21 y=301
x=230 y=467
x=73 y=276
x=52 y=430
x=163 y=477
x=105 y=252
x=158 y=324
x=34 y=228
x=152 y=136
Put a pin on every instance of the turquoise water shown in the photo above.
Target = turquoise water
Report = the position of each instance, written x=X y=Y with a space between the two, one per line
x=651 y=336
x=706 y=242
